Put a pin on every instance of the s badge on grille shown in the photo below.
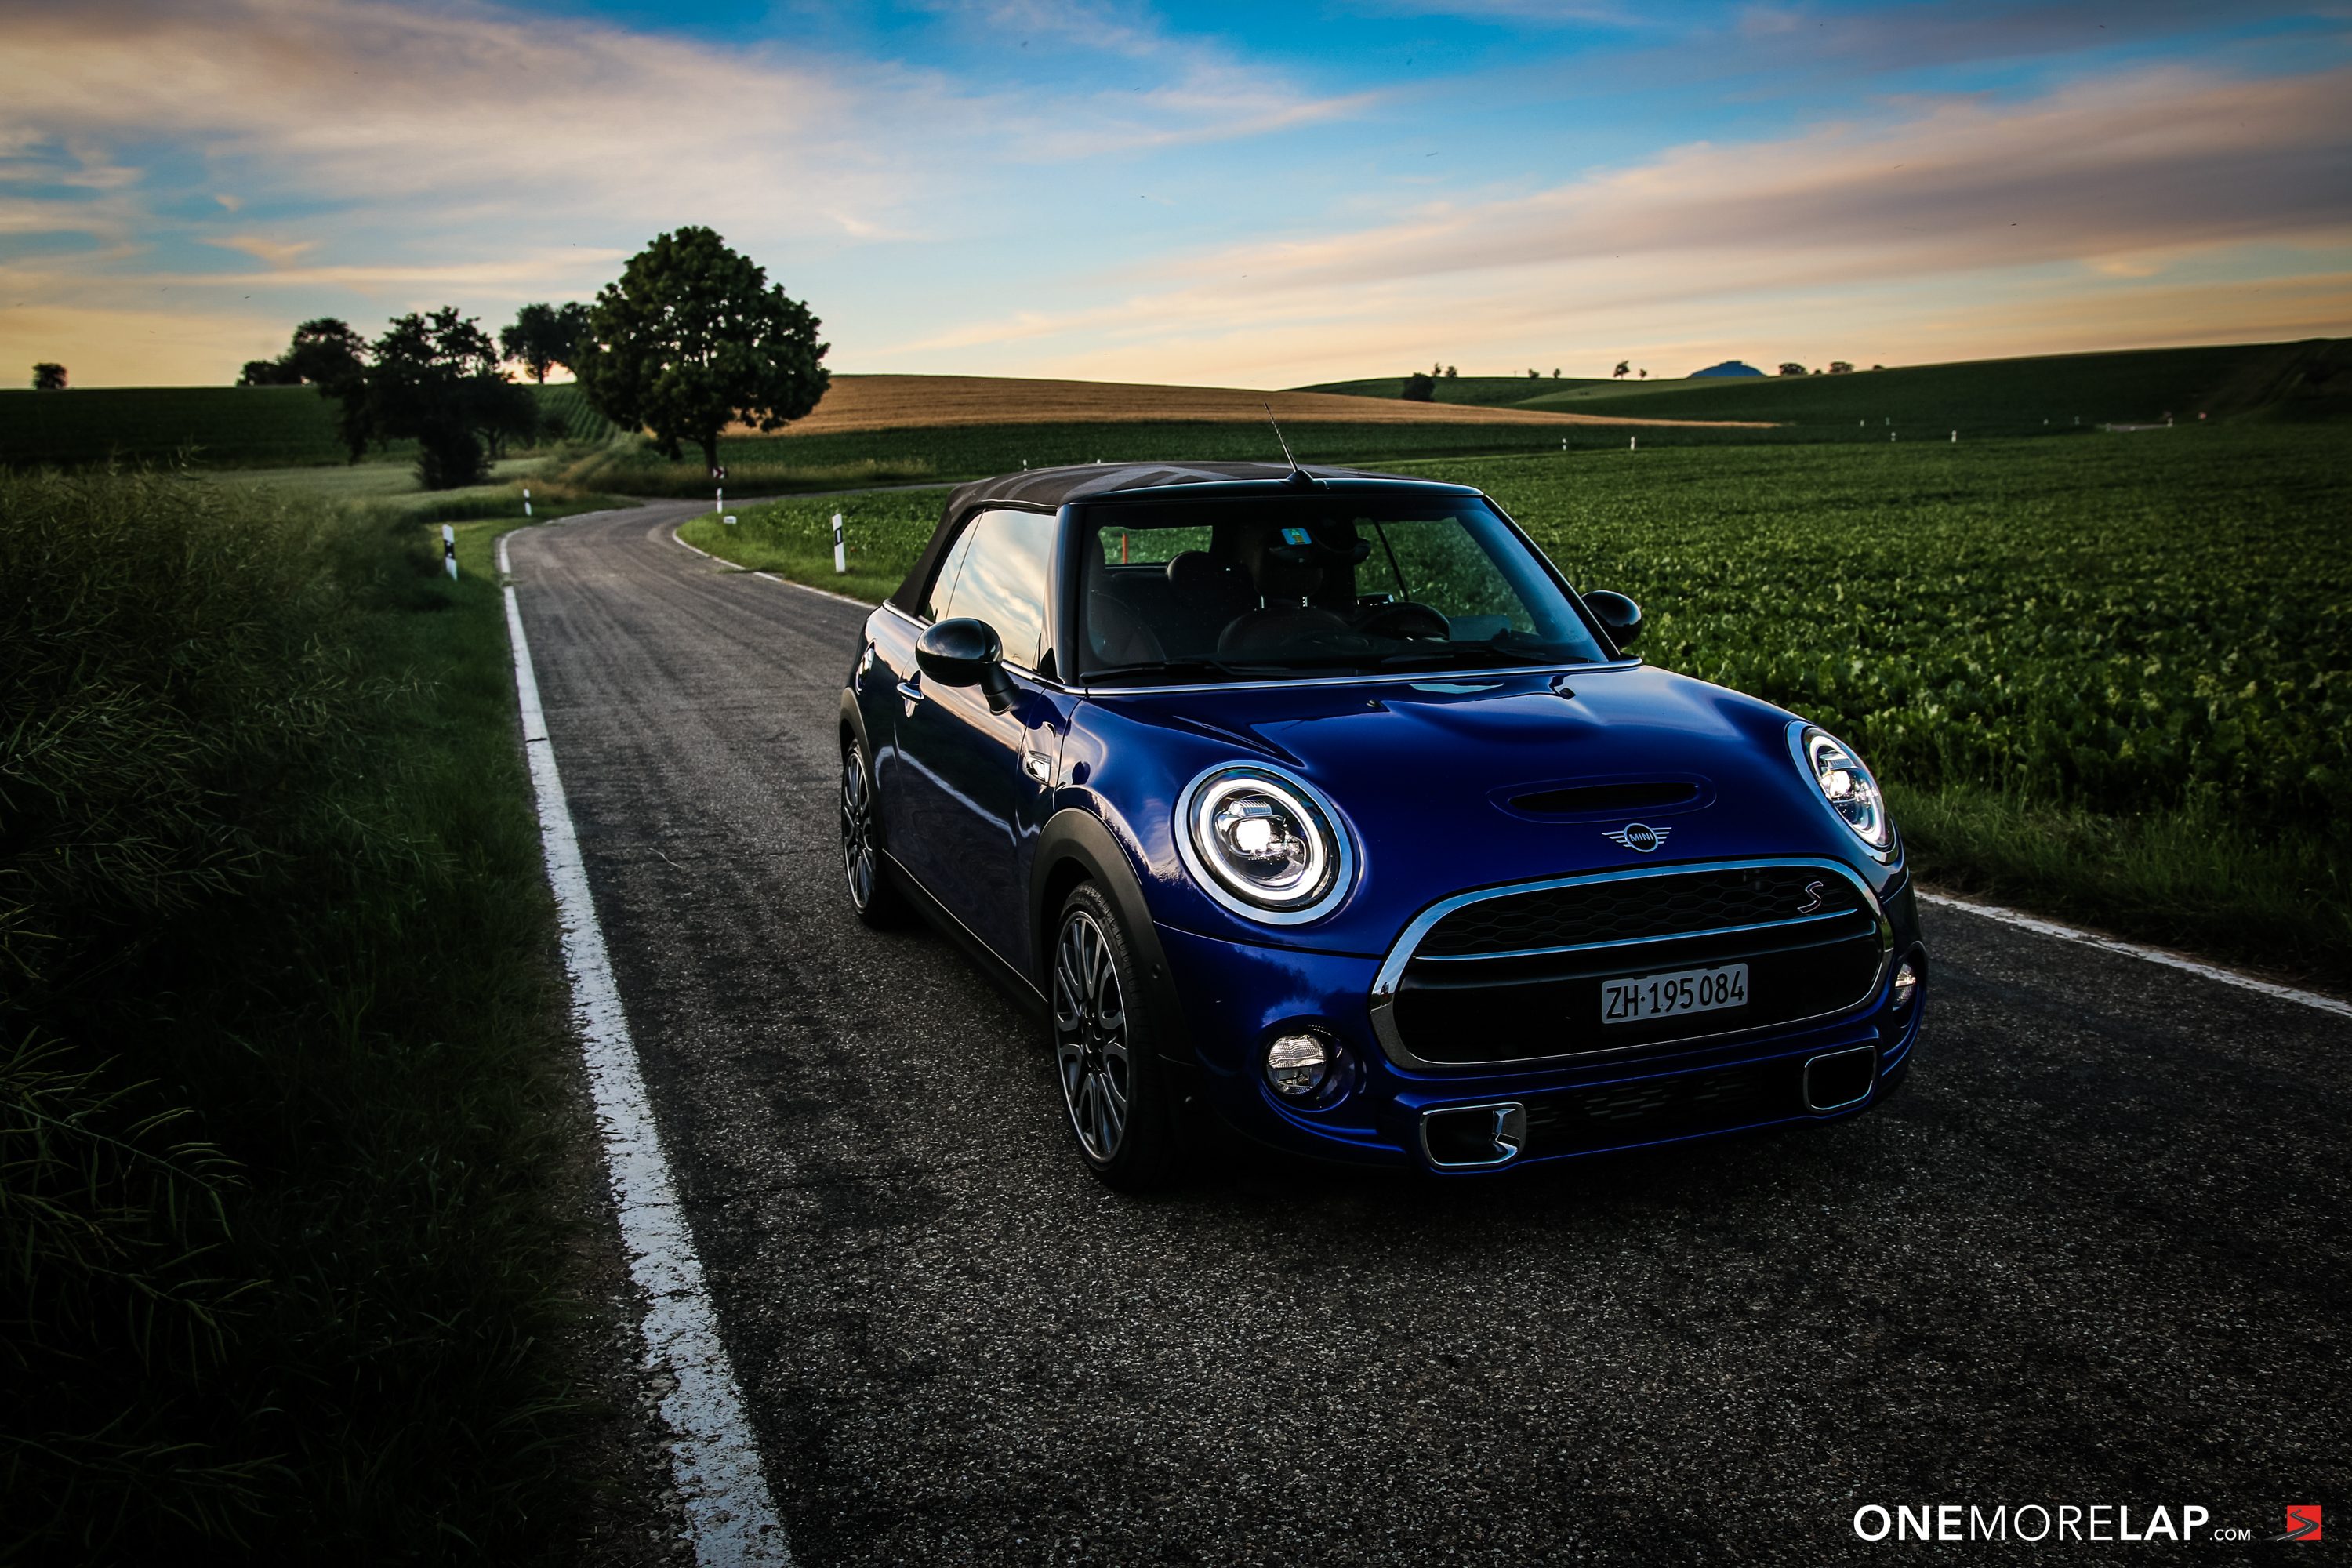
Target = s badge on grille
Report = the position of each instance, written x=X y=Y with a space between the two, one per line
x=1635 y=836
x=1816 y=895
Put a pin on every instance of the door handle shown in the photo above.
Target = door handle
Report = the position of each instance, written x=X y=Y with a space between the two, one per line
x=1038 y=765
x=910 y=691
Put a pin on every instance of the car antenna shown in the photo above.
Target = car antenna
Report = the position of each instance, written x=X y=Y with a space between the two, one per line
x=1297 y=475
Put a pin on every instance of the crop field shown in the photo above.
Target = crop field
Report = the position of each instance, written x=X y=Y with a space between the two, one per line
x=765 y=465
x=855 y=403
x=1481 y=391
x=213 y=427
x=2060 y=394
x=2110 y=676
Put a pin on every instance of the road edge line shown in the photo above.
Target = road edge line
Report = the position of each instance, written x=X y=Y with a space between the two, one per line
x=714 y=1460
x=787 y=581
x=2042 y=927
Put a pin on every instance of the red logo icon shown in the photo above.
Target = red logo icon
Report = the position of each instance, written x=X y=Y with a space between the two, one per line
x=2302 y=1522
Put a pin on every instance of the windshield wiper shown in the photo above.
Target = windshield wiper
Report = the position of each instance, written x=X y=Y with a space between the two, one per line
x=1480 y=652
x=1189 y=665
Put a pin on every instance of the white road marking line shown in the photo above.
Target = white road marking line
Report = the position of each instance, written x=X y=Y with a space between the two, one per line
x=820 y=592
x=713 y=1459
x=772 y=577
x=2041 y=927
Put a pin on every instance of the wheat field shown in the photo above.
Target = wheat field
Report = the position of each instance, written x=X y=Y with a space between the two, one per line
x=856 y=403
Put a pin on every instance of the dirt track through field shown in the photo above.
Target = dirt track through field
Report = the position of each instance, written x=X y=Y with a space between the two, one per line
x=915 y=402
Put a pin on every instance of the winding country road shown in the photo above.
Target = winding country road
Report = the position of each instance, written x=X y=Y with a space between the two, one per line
x=2095 y=1254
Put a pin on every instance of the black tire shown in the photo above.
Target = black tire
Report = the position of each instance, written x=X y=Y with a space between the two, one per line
x=1106 y=1048
x=872 y=894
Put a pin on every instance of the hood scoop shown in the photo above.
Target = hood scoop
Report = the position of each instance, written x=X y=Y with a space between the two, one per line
x=1606 y=799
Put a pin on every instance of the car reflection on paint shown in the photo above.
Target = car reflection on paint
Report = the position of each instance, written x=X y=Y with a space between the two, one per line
x=1316 y=803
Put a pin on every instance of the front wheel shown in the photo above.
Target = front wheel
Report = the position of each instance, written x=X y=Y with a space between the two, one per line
x=1105 y=1049
x=878 y=903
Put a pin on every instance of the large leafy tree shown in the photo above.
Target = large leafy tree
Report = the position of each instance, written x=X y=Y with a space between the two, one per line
x=694 y=338
x=543 y=336
x=49 y=376
x=433 y=379
x=325 y=352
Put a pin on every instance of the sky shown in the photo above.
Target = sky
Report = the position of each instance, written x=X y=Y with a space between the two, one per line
x=1254 y=196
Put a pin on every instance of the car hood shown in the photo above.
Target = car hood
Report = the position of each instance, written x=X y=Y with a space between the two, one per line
x=1435 y=777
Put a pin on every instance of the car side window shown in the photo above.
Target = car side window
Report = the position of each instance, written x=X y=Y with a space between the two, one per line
x=942 y=592
x=997 y=572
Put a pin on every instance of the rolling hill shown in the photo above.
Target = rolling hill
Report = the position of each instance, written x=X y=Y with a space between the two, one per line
x=2297 y=381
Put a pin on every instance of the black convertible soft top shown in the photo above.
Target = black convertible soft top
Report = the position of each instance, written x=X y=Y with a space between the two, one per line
x=1051 y=489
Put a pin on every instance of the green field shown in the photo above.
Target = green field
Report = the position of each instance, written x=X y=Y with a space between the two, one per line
x=2303 y=381
x=2111 y=677
x=1480 y=391
x=761 y=465
x=213 y=426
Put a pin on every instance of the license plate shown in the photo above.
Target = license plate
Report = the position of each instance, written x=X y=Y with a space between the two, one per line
x=1649 y=996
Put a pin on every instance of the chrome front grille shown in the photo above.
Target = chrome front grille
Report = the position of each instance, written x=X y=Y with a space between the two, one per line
x=1514 y=976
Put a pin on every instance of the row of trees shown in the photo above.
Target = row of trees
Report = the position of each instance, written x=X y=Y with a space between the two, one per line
x=691 y=338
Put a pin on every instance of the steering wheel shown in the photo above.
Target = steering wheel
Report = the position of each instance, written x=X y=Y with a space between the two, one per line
x=1408 y=621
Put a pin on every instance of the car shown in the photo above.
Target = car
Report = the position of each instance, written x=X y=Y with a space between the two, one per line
x=1316 y=806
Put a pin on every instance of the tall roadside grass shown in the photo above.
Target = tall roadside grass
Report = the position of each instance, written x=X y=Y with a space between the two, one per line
x=282 y=1057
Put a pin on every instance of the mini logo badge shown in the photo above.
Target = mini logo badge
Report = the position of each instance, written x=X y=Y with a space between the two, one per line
x=1635 y=836
x=2302 y=1522
x=1816 y=895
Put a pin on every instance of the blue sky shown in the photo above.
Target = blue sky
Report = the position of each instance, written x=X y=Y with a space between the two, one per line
x=1224 y=195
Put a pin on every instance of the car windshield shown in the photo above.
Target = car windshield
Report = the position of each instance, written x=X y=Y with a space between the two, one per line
x=1313 y=585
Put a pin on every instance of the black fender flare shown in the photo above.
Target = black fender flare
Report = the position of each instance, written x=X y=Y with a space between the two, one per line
x=1072 y=838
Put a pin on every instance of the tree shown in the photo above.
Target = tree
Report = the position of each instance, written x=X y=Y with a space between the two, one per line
x=1451 y=373
x=1644 y=374
x=325 y=352
x=1792 y=368
x=1419 y=388
x=1624 y=368
x=1555 y=372
x=544 y=335
x=269 y=372
x=1535 y=375
x=1840 y=367
x=694 y=338
x=49 y=376
x=434 y=379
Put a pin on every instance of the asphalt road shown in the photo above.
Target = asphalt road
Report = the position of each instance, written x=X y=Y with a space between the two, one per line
x=2095 y=1254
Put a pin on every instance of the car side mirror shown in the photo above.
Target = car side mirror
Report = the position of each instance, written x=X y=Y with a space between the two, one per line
x=1621 y=614
x=965 y=652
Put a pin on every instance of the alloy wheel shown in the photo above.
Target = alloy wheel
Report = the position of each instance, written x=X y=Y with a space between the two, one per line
x=1090 y=1037
x=856 y=827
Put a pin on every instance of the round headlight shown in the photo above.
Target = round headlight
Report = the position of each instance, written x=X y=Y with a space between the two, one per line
x=1264 y=845
x=1848 y=788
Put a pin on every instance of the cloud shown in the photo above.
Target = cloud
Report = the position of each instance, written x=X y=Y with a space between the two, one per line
x=278 y=252
x=2123 y=175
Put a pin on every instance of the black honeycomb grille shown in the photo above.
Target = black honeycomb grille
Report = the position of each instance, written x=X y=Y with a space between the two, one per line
x=1638 y=908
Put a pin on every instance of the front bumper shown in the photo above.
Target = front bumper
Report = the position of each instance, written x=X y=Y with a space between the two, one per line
x=1237 y=996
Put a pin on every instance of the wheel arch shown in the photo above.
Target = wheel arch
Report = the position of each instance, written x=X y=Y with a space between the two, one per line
x=1074 y=846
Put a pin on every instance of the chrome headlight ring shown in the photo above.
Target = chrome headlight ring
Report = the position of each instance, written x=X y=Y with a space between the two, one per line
x=1264 y=844
x=1848 y=790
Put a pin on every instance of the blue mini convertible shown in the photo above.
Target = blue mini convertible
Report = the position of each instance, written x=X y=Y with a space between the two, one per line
x=1319 y=803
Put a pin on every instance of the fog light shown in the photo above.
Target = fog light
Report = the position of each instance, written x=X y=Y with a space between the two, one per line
x=1297 y=1065
x=1907 y=984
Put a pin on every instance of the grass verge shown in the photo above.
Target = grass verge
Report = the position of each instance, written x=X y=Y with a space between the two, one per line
x=283 y=1068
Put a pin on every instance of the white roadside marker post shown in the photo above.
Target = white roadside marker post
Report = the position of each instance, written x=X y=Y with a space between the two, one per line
x=1956 y=438
x=450 y=550
x=840 y=549
x=718 y=491
x=526 y=501
x=1632 y=443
